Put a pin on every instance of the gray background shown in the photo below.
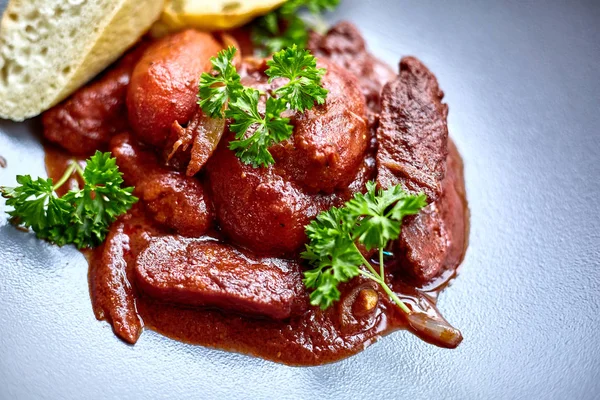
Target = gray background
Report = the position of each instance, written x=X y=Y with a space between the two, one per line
x=522 y=81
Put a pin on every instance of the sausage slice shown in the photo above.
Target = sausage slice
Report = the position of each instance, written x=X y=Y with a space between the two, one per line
x=204 y=272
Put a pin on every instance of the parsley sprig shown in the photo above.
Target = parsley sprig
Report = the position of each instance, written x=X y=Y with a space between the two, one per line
x=284 y=27
x=270 y=128
x=304 y=86
x=220 y=94
x=216 y=89
x=81 y=217
x=372 y=219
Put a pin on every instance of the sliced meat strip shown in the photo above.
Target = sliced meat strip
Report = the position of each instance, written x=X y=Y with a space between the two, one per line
x=413 y=132
x=344 y=45
x=423 y=244
x=173 y=199
x=113 y=296
x=87 y=120
x=436 y=238
x=199 y=272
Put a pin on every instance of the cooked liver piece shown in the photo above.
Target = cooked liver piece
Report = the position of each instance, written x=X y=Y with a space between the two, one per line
x=437 y=237
x=201 y=272
x=413 y=133
x=87 y=120
x=345 y=46
x=173 y=199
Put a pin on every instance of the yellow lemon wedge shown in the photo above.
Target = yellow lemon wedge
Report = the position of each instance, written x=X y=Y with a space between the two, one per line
x=213 y=14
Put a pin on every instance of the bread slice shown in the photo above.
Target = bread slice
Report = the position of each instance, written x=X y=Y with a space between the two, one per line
x=49 y=48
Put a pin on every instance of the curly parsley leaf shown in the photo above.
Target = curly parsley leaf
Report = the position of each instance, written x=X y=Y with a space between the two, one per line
x=222 y=95
x=373 y=220
x=81 y=217
x=269 y=38
x=314 y=6
x=215 y=90
x=382 y=212
x=35 y=204
x=283 y=27
x=332 y=252
x=255 y=132
x=304 y=87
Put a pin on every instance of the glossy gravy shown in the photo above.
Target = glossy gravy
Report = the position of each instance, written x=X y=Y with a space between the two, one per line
x=316 y=337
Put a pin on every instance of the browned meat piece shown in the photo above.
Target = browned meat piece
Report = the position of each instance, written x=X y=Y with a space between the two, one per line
x=423 y=244
x=173 y=199
x=437 y=237
x=164 y=83
x=345 y=46
x=256 y=207
x=201 y=272
x=112 y=294
x=454 y=208
x=329 y=141
x=88 y=119
x=413 y=133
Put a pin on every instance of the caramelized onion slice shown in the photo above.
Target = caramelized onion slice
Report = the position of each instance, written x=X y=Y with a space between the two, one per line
x=208 y=136
x=203 y=134
x=434 y=329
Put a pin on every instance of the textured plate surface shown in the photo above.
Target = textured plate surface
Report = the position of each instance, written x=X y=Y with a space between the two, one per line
x=523 y=84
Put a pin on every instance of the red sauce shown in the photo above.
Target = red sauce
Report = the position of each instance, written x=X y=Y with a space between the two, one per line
x=363 y=314
x=316 y=337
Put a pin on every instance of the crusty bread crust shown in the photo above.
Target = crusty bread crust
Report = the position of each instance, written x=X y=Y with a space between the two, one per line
x=49 y=48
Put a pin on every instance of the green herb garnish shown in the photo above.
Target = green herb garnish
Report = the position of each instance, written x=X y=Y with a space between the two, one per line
x=283 y=27
x=215 y=90
x=304 y=86
x=269 y=129
x=81 y=217
x=373 y=220
x=221 y=94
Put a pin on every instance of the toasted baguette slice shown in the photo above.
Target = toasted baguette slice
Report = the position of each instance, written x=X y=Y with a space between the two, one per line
x=49 y=48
